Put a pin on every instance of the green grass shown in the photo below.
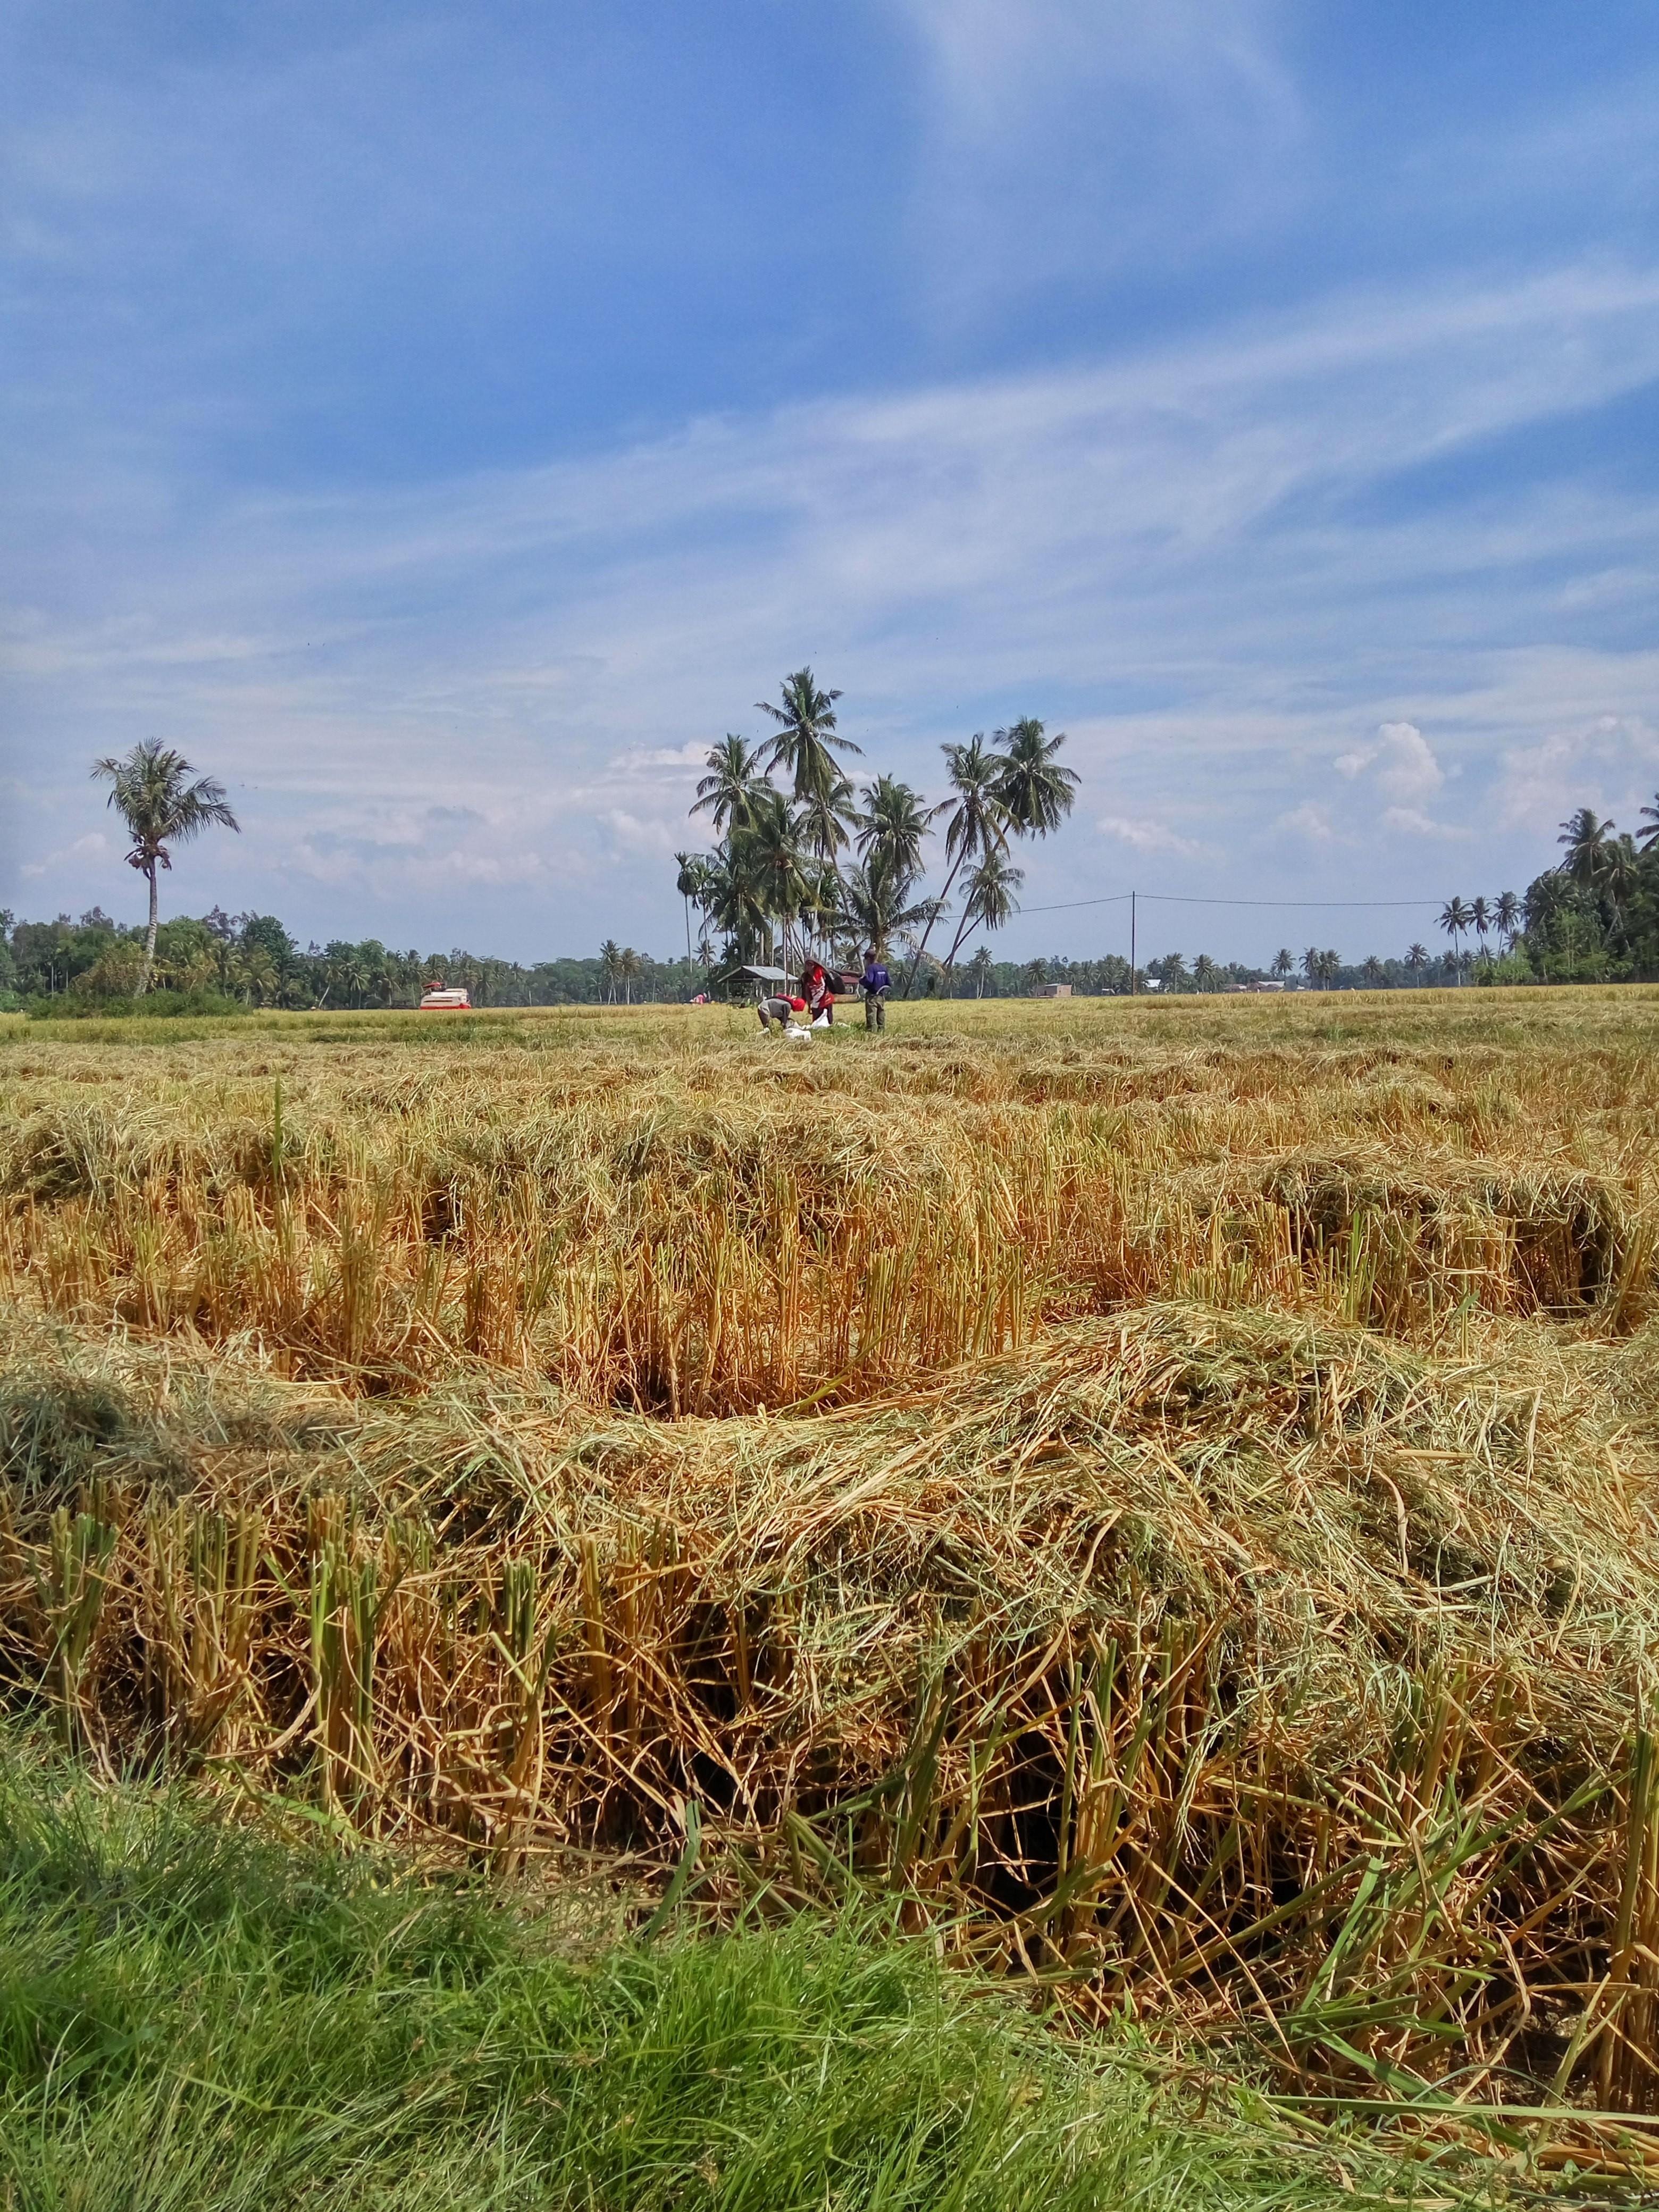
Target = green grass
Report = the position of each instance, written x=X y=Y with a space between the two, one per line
x=193 y=2016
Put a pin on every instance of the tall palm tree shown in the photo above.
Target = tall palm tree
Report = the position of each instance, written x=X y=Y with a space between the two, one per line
x=1507 y=914
x=1621 y=871
x=1035 y=792
x=1204 y=972
x=610 y=955
x=980 y=969
x=1585 y=836
x=990 y=902
x=1417 y=959
x=1284 y=961
x=978 y=825
x=629 y=967
x=1376 y=976
x=1311 y=963
x=152 y=790
x=1648 y=838
x=1480 y=920
x=804 y=745
x=1455 y=919
x=731 y=791
x=875 y=902
x=770 y=854
x=691 y=884
x=1329 y=962
x=896 y=821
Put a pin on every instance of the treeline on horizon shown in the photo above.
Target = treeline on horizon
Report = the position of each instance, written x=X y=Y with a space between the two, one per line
x=1595 y=918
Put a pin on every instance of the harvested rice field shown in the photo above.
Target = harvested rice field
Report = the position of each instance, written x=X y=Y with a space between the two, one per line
x=1161 y=1497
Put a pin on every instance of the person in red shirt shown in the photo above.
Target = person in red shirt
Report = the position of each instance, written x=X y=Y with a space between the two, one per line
x=815 y=990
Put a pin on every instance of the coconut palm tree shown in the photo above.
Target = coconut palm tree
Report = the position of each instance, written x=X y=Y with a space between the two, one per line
x=1311 y=963
x=610 y=954
x=897 y=821
x=875 y=902
x=1417 y=959
x=1585 y=836
x=691 y=884
x=629 y=967
x=1507 y=914
x=979 y=821
x=1481 y=920
x=980 y=969
x=1374 y=973
x=152 y=790
x=804 y=743
x=730 y=792
x=1284 y=961
x=770 y=856
x=1329 y=962
x=990 y=900
x=1455 y=919
x=1035 y=792
x=1621 y=871
x=1648 y=838
x=1204 y=972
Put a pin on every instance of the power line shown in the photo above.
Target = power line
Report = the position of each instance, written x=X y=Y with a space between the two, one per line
x=1179 y=898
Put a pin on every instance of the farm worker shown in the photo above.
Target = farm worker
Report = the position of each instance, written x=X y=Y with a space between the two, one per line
x=778 y=1013
x=875 y=983
x=820 y=998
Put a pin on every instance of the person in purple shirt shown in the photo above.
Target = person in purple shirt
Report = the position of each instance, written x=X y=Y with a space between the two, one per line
x=875 y=983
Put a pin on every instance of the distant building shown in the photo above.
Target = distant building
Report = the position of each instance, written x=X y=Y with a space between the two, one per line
x=1052 y=991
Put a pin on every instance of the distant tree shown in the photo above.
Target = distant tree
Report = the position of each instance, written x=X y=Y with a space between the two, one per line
x=1648 y=838
x=610 y=954
x=980 y=969
x=1374 y=973
x=1417 y=959
x=1507 y=914
x=1284 y=961
x=629 y=967
x=1455 y=919
x=152 y=790
x=1311 y=963
x=1481 y=920
x=1205 y=974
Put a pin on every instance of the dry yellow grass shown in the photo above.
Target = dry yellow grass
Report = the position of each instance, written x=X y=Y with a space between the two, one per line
x=1168 y=1487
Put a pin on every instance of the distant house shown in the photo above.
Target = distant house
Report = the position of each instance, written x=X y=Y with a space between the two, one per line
x=1052 y=991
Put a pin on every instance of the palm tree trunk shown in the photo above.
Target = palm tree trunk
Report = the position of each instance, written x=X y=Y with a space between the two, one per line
x=938 y=909
x=149 y=936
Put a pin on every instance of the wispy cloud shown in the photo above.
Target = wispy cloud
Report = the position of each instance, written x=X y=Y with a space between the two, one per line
x=1179 y=554
x=1148 y=836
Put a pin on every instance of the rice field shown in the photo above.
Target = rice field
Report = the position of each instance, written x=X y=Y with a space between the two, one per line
x=1164 y=1493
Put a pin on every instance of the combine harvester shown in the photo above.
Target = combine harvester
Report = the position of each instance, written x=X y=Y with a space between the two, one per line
x=439 y=998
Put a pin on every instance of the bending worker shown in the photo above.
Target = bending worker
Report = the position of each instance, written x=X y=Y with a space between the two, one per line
x=875 y=983
x=818 y=993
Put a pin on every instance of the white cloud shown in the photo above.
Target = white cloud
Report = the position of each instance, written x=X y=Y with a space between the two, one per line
x=1403 y=761
x=1148 y=836
x=1607 y=761
x=1412 y=822
x=1170 y=527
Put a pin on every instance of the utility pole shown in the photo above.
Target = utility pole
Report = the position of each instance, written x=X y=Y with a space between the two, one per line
x=1132 y=945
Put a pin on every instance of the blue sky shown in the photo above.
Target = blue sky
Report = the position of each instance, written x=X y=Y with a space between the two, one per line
x=444 y=423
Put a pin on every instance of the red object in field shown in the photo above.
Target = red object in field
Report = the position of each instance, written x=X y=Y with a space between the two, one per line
x=440 y=1000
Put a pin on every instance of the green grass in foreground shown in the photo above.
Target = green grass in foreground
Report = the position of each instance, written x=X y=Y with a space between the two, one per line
x=193 y=2017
